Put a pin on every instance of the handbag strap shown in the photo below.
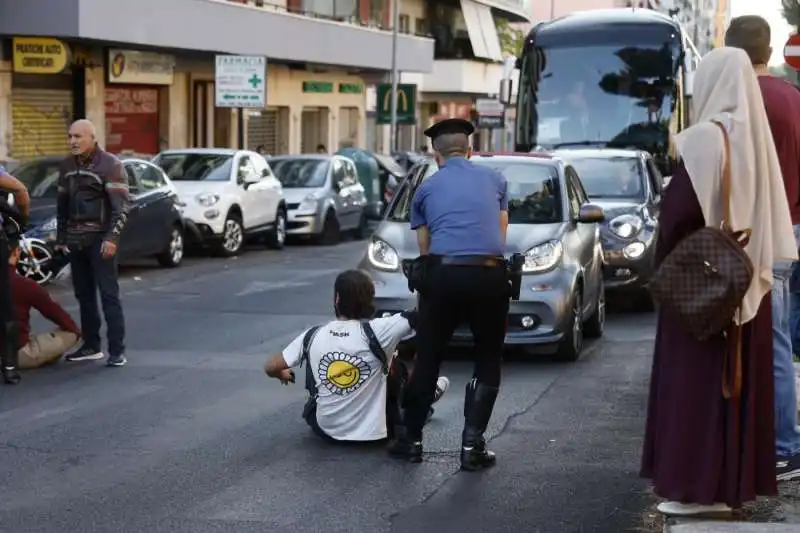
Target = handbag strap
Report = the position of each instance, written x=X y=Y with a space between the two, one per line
x=308 y=338
x=726 y=177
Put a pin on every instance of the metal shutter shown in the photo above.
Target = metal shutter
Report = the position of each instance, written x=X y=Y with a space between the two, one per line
x=40 y=120
x=263 y=129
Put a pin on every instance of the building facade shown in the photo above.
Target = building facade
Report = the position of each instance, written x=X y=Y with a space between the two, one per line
x=468 y=62
x=149 y=83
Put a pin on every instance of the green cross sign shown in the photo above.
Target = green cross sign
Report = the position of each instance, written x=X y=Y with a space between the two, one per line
x=255 y=81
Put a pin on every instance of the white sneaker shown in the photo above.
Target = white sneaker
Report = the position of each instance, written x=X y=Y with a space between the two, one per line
x=442 y=384
x=692 y=509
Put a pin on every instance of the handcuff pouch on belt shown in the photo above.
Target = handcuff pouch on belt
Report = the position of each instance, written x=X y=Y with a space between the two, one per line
x=416 y=272
x=514 y=266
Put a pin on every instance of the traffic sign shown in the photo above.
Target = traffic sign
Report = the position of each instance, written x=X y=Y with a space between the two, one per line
x=406 y=103
x=491 y=113
x=791 y=52
x=241 y=81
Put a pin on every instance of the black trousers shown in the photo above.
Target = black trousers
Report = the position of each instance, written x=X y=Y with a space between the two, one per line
x=454 y=295
x=90 y=273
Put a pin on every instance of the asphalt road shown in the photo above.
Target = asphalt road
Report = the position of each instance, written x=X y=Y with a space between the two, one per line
x=191 y=437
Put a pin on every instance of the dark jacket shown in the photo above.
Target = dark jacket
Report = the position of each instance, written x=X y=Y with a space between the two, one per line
x=92 y=198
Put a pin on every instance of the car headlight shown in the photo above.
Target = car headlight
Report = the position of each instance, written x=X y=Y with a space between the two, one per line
x=309 y=204
x=207 y=199
x=382 y=256
x=626 y=226
x=50 y=225
x=543 y=257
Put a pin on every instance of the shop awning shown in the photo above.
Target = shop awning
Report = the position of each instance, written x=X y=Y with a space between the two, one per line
x=482 y=30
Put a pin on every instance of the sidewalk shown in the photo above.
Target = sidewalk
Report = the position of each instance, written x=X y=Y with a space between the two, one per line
x=773 y=515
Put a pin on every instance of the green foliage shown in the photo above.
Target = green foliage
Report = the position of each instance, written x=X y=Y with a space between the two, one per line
x=791 y=12
x=511 y=38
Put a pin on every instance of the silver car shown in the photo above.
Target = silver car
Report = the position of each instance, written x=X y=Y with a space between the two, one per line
x=550 y=221
x=323 y=196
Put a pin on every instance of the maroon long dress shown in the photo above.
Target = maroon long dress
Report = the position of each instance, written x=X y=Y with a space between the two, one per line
x=698 y=447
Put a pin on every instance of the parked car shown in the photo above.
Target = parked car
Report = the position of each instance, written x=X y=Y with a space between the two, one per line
x=227 y=196
x=628 y=186
x=550 y=221
x=155 y=226
x=323 y=196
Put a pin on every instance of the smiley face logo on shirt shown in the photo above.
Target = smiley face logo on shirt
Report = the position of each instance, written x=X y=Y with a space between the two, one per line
x=342 y=373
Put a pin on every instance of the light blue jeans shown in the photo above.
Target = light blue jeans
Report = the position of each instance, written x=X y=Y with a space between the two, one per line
x=787 y=433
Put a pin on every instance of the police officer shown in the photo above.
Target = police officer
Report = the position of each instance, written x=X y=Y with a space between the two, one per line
x=460 y=215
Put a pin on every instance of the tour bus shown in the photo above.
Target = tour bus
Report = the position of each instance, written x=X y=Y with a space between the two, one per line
x=617 y=78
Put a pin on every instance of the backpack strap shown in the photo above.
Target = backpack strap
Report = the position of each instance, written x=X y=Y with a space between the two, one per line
x=308 y=338
x=375 y=346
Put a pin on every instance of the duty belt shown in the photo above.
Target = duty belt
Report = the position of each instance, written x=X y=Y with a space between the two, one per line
x=470 y=260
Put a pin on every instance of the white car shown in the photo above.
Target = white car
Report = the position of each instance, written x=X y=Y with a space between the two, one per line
x=227 y=195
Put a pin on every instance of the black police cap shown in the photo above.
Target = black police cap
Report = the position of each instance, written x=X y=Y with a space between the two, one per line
x=450 y=126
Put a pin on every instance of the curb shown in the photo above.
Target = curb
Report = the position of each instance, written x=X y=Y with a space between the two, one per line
x=689 y=525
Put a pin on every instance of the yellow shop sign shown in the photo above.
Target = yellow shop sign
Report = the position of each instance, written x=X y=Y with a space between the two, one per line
x=40 y=55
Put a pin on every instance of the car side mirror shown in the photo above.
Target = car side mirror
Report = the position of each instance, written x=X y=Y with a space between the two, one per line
x=591 y=214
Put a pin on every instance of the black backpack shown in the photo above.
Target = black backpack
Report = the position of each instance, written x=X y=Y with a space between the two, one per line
x=310 y=408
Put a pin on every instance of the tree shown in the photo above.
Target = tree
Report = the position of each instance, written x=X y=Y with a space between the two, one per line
x=511 y=38
x=791 y=12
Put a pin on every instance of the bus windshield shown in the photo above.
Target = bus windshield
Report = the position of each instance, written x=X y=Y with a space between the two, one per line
x=615 y=95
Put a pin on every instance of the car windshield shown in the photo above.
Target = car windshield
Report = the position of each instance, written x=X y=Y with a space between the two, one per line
x=40 y=177
x=610 y=177
x=195 y=167
x=534 y=193
x=295 y=173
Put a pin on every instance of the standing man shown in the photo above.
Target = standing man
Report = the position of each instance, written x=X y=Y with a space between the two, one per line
x=460 y=215
x=11 y=220
x=752 y=34
x=92 y=211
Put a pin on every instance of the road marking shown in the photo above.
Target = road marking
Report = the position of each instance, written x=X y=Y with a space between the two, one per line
x=265 y=286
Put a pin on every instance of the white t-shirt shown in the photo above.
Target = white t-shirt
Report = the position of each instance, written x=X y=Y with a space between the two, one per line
x=351 y=402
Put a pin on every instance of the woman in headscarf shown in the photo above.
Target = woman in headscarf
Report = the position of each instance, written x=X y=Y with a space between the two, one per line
x=706 y=454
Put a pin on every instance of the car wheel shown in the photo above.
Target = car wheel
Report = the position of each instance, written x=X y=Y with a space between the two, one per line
x=276 y=237
x=330 y=230
x=593 y=328
x=569 y=348
x=39 y=268
x=361 y=232
x=232 y=236
x=172 y=256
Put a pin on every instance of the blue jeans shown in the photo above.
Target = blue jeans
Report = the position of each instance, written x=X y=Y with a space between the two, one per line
x=786 y=431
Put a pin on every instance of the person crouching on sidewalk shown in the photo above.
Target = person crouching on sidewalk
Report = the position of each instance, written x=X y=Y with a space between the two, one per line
x=355 y=390
x=42 y=348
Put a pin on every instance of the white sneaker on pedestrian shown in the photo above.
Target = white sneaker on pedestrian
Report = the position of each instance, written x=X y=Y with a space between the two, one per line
x=692 y=509
x=442 y=384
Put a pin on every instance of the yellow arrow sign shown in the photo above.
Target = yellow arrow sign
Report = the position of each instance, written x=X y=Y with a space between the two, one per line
x=402 y=98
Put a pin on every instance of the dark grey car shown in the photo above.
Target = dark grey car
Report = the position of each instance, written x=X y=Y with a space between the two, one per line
x=550 y=221
x=629 y=187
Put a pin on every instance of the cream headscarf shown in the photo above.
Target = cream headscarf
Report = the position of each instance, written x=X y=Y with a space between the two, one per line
x=726 y=90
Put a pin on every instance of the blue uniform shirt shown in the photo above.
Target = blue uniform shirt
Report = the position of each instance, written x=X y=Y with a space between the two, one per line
x=461 y=204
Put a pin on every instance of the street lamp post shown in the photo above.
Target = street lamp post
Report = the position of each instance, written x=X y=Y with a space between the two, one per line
x=395 y=74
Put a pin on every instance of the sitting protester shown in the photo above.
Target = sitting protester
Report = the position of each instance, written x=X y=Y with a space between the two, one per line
x=43 y=348
x=351 y=369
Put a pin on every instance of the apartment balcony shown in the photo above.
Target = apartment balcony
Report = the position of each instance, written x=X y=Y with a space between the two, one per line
x=460 y=76
x=257 y=27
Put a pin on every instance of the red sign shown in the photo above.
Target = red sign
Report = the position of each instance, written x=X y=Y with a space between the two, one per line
x=791 y=52
x=132 y=120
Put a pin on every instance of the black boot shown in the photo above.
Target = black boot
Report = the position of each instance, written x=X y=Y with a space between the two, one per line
x=8 y=357
x=478 y=405
x=404 y=446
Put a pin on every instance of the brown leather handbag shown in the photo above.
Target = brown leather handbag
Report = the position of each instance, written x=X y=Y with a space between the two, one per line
x=704 y=279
